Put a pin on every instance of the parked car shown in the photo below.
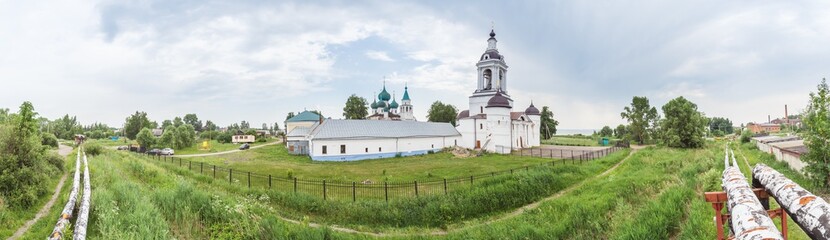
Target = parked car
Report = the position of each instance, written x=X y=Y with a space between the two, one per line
x=244 y=146
x=123 y=148
x=166 y=151
x=154 y=151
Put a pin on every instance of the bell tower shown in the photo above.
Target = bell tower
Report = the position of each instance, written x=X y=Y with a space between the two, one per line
x=492 y=76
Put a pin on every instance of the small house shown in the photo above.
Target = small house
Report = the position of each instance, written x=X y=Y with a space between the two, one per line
x=243 y=139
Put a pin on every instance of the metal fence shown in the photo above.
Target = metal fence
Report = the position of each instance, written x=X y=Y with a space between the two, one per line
x=570 y=154
x=344 y=190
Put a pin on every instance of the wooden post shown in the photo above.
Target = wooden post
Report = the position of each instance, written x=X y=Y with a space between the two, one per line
x=201 y=166
x=269 y=181
x=386 y=191
x=295 y=184
x=249 y=179
x=416 y=188
x=230 y=175
x=471 y=180
x=324 y=189
x=354 y=192
x=214 y=171
x=445 y=186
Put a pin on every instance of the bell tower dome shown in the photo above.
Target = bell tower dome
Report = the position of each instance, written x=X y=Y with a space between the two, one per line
x=492 y=77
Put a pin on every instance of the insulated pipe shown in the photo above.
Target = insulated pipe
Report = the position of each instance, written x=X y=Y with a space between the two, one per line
x=749 y=219
x=83 y=213
x=66 y=214
x=809 y=211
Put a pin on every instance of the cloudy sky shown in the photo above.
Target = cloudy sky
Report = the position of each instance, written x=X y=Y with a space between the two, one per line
x=229 y=61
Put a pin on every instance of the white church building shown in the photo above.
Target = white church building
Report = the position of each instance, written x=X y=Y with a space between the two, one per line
x=490 y=123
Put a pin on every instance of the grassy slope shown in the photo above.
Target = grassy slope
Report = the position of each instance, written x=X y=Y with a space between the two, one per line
x=276 y=161
x=646 y=198
x=12 y=219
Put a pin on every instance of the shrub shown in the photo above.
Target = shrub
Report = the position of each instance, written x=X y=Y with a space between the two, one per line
x=55 y=160
x=746 y=135
x=48 y=139
x=93 y=149
x=261 y=140
x=224 y=138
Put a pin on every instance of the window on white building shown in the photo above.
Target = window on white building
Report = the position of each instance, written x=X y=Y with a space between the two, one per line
x=342 y=149
x=325 y=149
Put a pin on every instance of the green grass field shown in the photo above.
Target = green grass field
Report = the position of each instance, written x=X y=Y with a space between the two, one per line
x=657 y=193
x=275 y=160
x=215 y=146
x=571 y=141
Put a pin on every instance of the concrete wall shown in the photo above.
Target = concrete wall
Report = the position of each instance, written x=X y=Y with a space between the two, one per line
x=794 y=160
x=360 y=149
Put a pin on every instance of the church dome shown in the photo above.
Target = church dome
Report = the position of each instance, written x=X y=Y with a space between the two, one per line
x=374 y=104
x=491 y=54
x=499 y=100
x=532 y=110
x=393 y=104
x=384 y=95
x=463 y=114
x=381 y=105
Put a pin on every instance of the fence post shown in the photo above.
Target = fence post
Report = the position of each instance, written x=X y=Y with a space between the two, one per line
x=230 y=175
x=445 y=186
x=354 y=195
x=214 y=171
x=189 y=165
x=386 y=191
x=471 y=179
x=511 y=171
x=416 y=188
x=324 y=189
x=249 y=179
x=269 y=181
x=201 y=166
x=295 y=184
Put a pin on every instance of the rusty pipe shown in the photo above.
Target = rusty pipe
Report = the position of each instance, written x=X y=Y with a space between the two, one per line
x=749 y=219
x=809 y=211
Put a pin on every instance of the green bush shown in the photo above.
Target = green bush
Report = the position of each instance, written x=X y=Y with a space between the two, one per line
x=93 y=149
x=55 y=160
x=746 y=135
x=48 y=139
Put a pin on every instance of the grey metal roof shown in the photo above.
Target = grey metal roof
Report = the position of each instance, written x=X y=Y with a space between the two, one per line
x=356 y=129
x=299 y=132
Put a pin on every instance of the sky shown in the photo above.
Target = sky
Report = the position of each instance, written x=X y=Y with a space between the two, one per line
x=229 y=61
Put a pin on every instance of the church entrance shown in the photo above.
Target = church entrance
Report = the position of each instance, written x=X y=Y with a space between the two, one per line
x=478 y=144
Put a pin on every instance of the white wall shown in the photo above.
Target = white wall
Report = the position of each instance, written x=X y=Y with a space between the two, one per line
x=380 y=145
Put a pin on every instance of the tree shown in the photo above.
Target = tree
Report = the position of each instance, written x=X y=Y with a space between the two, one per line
x=355 y=108
x=724 y=125
x=684 y=126
x=177 y=121
x=620 y=131
x=606 y=131
x=264 y=126
x=210 y=126
x=817 y=134
x=65 y=127
x=168 y=137
x=642 y=118
x=145 y=138
x=166 y=123
x=193 y=120
x=185 y=136
x=289 y=116
x=549 y=124
x=244 y=125
x=24 y=169
x=440 y=112
x=136 y=123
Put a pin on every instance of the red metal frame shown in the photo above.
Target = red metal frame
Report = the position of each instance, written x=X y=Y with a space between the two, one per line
x=719 y=198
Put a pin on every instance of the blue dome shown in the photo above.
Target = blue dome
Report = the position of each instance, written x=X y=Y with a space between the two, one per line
x=393 y=104
x=384 y=95
x=374 y=104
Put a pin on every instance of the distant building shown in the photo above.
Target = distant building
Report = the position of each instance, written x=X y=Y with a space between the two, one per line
x=303 y=119
x=757 y=128
x=243 y=139
x=385 y=110
x=351 y=140
x=157 y=132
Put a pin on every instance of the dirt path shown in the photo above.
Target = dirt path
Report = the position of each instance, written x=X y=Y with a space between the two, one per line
x=226 y=152
x=63 y=150
x=515 y=213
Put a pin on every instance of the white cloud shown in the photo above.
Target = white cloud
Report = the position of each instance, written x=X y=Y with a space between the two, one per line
x=379 y=55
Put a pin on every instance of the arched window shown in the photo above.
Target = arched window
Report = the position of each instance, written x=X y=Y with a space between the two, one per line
x=488 y=79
